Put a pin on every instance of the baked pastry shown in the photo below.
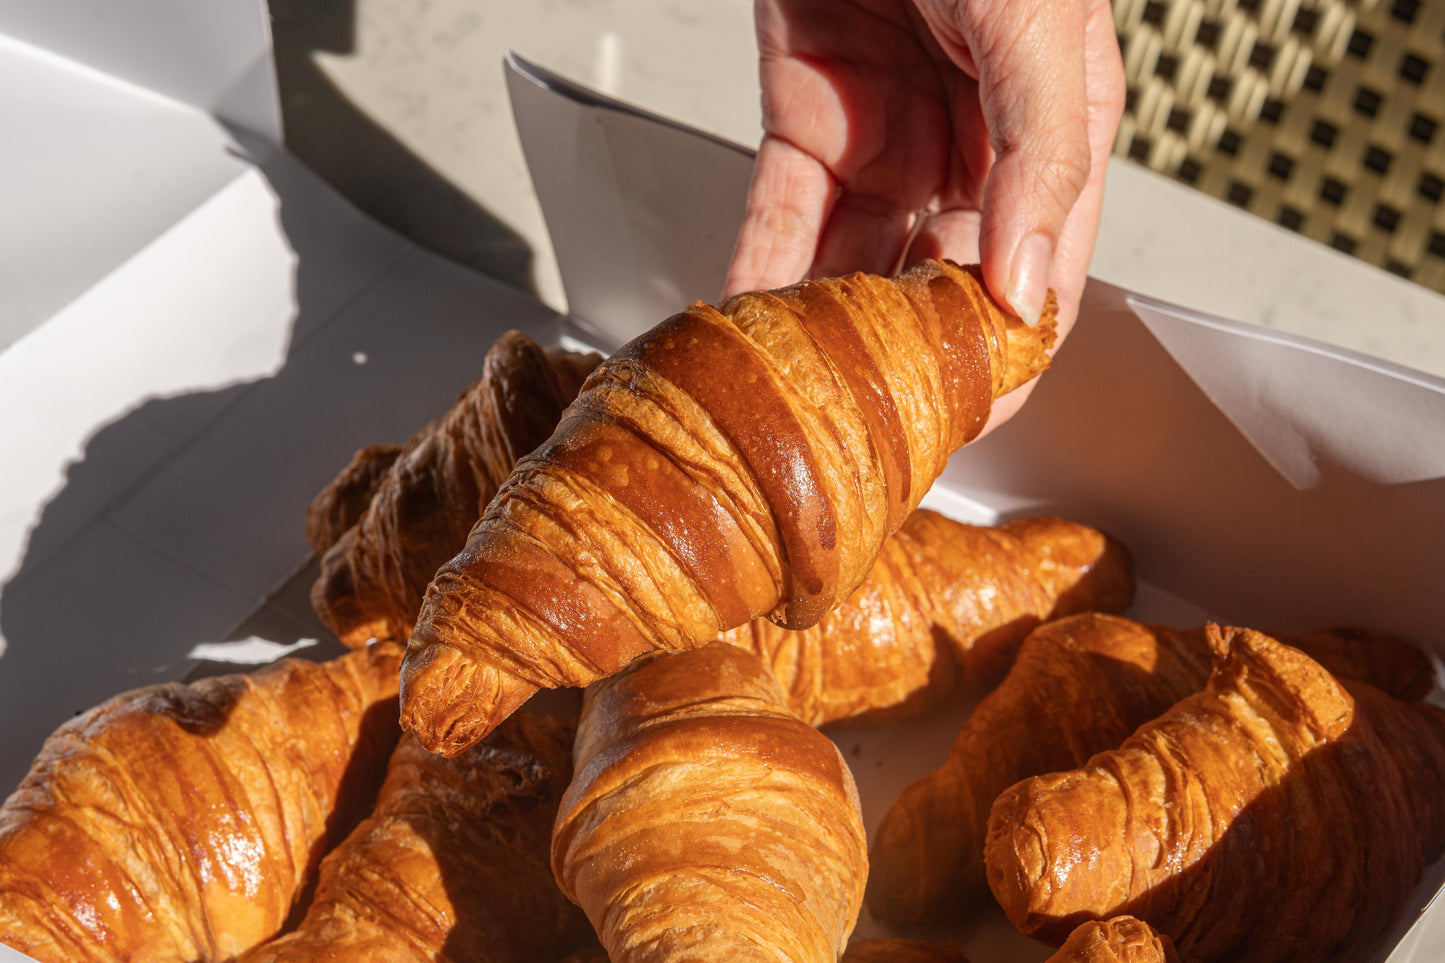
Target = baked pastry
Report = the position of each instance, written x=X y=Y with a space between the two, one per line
x=707 y=821
x=1122 y=939
x=1080 y=685
x=1280 y=814
x=373 y=574
x=452 y=865
x=734 y=462
x=186 y=822
x=944 y=603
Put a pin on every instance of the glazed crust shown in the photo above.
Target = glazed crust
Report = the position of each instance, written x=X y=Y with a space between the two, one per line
x=731 y=463
x=706 y=821
x=186 y=822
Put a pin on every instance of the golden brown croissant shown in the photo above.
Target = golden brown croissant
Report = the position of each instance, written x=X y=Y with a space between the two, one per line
x=944 y=602
x=185 y=822
x=452 y=865
x=1080 y=685
x=706 y=821
x=1122 y=939
x=374 y=575
x=734 y=462
x=1280 y=814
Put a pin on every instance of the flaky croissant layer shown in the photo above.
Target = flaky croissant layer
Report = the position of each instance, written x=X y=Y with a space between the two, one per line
x=185 y=822
x=705 y=821
x=452 y=864
x=731 y=463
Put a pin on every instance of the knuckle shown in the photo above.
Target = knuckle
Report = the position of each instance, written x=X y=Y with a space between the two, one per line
x=1065 y=170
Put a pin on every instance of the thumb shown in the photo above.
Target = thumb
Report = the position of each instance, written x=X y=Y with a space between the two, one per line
x=1028 y=56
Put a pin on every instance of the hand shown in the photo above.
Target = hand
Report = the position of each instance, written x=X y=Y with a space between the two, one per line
x=896 y=130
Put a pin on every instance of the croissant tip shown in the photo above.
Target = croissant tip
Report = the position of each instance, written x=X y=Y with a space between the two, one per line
x=1049 y=316
x=450 y=702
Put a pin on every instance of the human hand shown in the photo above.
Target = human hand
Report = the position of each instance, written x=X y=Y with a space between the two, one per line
x=896 y=130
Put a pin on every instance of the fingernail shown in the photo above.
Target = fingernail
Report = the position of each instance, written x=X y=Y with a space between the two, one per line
x=1029 y=283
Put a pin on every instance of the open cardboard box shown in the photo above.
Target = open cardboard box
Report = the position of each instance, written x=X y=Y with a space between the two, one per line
x=171 y=404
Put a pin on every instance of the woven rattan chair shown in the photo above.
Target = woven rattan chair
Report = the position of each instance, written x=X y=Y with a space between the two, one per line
x=1324 y=116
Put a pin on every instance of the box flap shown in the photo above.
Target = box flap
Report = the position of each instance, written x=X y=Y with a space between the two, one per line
x=213 y=57
x=128 y=116
x=1305 y=404
x=642 y=212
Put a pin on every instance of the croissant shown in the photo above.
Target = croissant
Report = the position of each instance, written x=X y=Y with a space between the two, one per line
x=944 y=602
x=1080 y=685
x=730 y=463
x=452 y=865
x=424 y=503
x=1122 y=939
x=1280 y=814
x=186 y=822
x=706 y=821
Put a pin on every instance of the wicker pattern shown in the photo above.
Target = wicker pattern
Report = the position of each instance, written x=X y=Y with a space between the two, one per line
x=1324 y=116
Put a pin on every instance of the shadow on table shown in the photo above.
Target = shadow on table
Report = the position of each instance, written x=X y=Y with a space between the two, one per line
x=369 y=165
x=182 y=522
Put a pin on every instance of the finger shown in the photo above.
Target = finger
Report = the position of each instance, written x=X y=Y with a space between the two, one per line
x=1104 y=76
x=789 y=198
x=863 y=233
x=1029 y=55
x=946 y=234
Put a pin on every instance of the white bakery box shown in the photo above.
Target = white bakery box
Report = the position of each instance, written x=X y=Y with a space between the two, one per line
x=196 y=333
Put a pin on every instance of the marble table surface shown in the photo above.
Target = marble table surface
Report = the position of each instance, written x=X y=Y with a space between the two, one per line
x=401 y=104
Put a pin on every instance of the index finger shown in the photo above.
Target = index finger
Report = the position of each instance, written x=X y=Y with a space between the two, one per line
x=789 y=199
